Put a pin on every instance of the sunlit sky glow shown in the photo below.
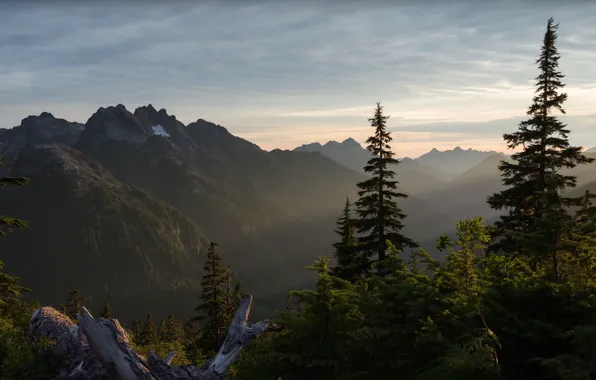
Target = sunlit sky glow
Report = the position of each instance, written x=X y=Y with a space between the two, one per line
x=286 y=73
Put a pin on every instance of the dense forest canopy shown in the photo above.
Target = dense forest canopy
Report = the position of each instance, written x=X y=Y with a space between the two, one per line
x=513 y=300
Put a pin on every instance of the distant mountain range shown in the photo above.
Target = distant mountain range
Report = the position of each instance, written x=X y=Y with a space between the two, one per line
x=454 y=182
x=445 y=165
x=456 y=160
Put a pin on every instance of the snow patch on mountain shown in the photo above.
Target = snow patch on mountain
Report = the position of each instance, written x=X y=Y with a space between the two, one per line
x=158 y=130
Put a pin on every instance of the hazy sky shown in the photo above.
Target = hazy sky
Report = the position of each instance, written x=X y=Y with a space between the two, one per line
x=286 y=73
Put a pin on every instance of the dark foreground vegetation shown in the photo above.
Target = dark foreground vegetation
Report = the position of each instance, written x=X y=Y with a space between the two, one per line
x=510 y=301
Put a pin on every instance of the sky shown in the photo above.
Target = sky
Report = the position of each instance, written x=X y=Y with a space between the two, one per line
x=285 y=73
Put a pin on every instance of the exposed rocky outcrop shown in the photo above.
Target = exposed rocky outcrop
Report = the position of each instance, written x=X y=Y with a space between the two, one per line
x=113 y=124
x=100 y=349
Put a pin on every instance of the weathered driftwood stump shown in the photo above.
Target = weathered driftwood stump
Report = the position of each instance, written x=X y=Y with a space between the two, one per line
x=100 y=348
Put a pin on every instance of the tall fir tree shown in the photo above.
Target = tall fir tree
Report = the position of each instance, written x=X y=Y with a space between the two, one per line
x=137 y=331
x=348 y=265
x=214 y=310
x=162 y=331
x=534 y=185
x=379 y=215
x=73 y=304
x=106 y=312
x=148 y=333
x=174 y=329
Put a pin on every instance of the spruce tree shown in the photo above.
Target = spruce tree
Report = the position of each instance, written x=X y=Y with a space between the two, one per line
x=533 y=194
x=348 y=264
x=175 y=329
x=379 y=215
x=214 y=310
x=73 y=304
x=106 y=312
x=137 y=332
x=163 y=331
x=461 y=269
x=9 y=286
x=148 y=333
x=234 y=300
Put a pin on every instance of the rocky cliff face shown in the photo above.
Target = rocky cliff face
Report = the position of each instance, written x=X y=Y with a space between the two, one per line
x=113 y=124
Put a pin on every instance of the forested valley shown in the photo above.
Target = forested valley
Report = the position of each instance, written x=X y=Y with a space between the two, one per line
x=513 y=300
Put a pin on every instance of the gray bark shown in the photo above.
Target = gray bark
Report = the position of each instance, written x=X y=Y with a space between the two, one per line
x=100 y=349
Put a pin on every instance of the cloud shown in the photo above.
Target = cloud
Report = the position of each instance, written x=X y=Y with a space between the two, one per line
x=298 y=70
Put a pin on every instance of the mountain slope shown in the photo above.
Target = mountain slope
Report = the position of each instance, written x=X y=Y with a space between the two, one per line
x=466 y=195
x=89 y=231
x=414 y=177
x=348 y=153
x=454 y=161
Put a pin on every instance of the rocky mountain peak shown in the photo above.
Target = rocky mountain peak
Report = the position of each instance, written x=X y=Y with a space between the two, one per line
x=42 y=129
x=46 y=115
x=309 y=147
x=350 y=141
x=113 y=123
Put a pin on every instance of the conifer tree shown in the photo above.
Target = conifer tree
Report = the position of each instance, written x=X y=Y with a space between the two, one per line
x=348 y=264
x=74 y=303
x=379 y=215
x=461 y=270
x=534 y=185
x=213 y=310
x=148 y=333
x=137 y=332
x=6 y=222
x=106 y=312
x=579 y=242
x=163 y=331
x=9 y=286
x=234 y=300
x=174 y=329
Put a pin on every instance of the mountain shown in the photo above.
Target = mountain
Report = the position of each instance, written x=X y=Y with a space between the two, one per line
x=466 y=195
x=485 y=170
x=272 y=213
x=454 y=161
x=585 y=173
x=414 y=177
x=89 y=231
x=42 y=129
x=348 y=153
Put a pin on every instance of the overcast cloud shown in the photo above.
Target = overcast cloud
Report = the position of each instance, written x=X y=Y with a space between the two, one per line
x=286 y=73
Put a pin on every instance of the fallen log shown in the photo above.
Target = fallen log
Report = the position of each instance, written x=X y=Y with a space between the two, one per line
x=100 y=348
